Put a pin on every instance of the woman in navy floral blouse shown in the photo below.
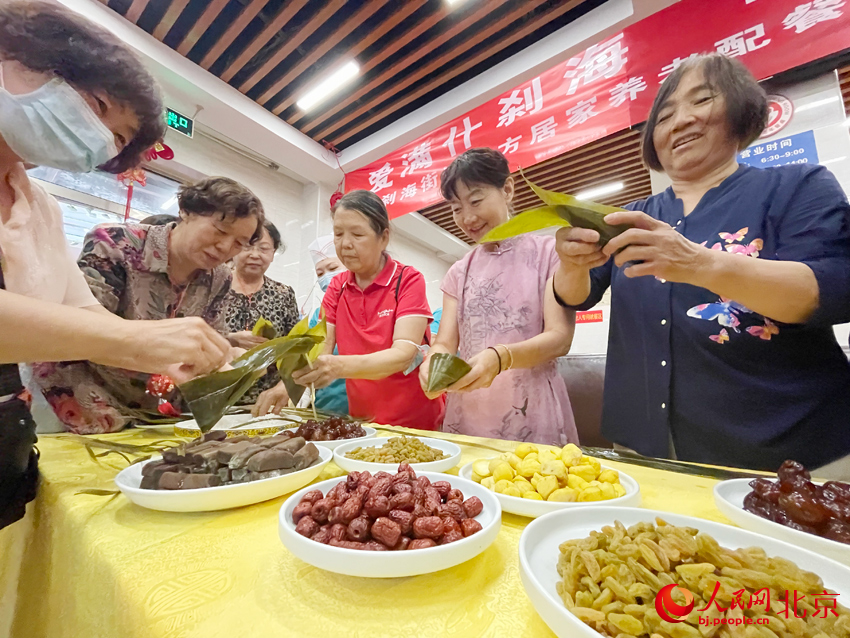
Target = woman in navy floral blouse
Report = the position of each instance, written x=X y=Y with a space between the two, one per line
x=724 y=290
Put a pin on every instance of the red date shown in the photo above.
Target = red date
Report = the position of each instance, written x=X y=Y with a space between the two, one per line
x=428 y=527
x=358 y=529
x=454 y=495
x=422 y=543
x=403 y=519
x=312 y=496
x=472 y=507
x=386 y=531
x=377 y=506
x=470 y=526
x=307 y=527
x=337 y=532
x=443 y=487
x=451 y=537
x=404 y=501
x=320 y=510
x=301 y=510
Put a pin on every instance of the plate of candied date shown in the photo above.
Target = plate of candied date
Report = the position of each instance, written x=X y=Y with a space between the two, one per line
x=390 y=525
x=216 y=472
x=792 y=508
x=331 y=432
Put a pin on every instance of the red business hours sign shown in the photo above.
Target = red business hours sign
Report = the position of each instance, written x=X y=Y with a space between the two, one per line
x=608 y=87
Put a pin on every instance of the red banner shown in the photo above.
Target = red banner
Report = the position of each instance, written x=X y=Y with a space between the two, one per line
x=589 y=316
x=609 y=87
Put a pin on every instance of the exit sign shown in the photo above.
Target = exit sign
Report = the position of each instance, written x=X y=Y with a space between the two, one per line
x=179 y=123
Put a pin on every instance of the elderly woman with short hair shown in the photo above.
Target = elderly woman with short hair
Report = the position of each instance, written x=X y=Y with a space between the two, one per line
x=725 y=290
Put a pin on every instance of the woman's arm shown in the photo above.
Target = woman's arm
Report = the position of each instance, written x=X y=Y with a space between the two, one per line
x=447 y=341
x=553 y=342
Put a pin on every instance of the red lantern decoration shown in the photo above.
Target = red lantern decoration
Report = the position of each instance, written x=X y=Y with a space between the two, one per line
x=129 y=178
x=159 y=151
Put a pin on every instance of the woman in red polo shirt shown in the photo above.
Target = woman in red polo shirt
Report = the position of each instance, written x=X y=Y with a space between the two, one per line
x=377 y=316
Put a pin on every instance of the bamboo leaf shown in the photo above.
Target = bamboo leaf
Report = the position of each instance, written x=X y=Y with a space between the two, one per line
x=96 y=492
x=444 y=370
x=264 y=328
x=287 y=365
x=528 y=222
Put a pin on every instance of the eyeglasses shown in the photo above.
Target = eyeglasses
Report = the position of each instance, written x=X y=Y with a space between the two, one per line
x=264 y=249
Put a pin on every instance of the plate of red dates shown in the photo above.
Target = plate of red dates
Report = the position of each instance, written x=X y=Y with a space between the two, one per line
x=792 y=508
x=389 y=525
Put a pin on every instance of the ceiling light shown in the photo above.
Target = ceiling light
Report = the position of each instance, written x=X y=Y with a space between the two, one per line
x=832 y=161
x=814 y=105
x=168 y=204
x=333 y=83
x=600 y=191
x=454 y=2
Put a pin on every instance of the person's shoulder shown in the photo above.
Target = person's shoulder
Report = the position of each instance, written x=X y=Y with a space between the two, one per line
x=408 y=273
x=652 y=203
x=278 y=287
x=222 y=276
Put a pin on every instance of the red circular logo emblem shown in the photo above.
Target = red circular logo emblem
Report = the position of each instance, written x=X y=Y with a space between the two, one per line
x=669 y=609
x=779 y=112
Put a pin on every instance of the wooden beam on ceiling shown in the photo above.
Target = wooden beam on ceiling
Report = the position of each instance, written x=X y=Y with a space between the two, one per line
x=396 y=18
x=378 y=114
x=200 y=27
x=171 y=15
x=297 y=39
x=286 y=14
x=315 y=118
x=245 y=16
x=366 y=11
x=136 y=9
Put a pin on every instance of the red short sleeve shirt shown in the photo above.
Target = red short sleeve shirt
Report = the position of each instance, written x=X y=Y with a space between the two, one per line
x=365 y=323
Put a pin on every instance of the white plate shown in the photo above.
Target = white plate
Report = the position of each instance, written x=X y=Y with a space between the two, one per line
x=729 y=498
x=233 y=424
x=533 y=509
x=353 y=562
x=451 y=450
x=210 y=499
x=538 y=555
x=332 y=445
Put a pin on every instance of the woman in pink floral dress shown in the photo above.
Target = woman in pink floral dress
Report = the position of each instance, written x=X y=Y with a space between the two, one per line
x=501 y=316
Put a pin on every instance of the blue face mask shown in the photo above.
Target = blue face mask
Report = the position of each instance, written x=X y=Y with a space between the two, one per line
x=53 y=126
x=325 y=280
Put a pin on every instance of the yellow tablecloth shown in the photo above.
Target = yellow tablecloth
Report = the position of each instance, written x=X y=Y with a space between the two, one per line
x=96 y=567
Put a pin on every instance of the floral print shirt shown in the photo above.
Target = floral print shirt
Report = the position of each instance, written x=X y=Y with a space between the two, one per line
x=126 y=267
x=274 y=302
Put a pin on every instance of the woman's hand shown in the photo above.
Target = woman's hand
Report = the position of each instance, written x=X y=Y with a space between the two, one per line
x=322 y=373
x=663 y=252
x=158 y=346
x=424 y=375
x=245 y=339
x=579 y=248
x=485 y=367
x=272 y=401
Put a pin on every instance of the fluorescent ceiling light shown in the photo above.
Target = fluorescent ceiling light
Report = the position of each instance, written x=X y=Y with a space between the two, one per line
x=832 y=161
x=333 y=83
x=814 y=105
x=168 y=204
x=600 y=191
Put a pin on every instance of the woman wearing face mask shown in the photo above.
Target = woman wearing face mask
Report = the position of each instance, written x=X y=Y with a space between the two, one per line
x=253 y=296
x=378 y=315
x=721 y=348
x=153 y=272
x=71 y=97
x=501 y=316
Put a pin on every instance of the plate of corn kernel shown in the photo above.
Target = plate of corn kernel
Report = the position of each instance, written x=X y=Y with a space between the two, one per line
x=535 y=480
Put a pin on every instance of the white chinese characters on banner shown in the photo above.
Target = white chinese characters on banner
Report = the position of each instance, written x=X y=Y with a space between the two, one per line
x=543 y=130
x=468 y=127
x=428 y=182
x=380 y=179
x=418 y=157
x=603 y=60
x=807 y=15
x=627 y=90
x=581 y=112
x=514 y=106
x=675 y=64
x=388 y=199
x=743 y=42
x=408 y=191
x=511 y=144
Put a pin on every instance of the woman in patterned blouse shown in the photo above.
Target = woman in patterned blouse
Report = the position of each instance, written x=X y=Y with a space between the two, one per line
x=253 y=295
x=152 y=272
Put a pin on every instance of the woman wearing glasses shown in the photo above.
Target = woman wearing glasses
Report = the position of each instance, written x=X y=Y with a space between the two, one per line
x=253 y=295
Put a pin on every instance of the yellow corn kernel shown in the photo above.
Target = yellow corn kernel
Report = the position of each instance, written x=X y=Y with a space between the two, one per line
x=503 y=472
x=576 y=482
x=571 y=455
x=609 y=476
x=482 y=468
x=532 y=495
x=547 y=455
x=620 y=490
x=490 y=483
x=608 y=491
x=592 y=462
x=524 y=449
x=586 y=472
x=590 y=494
x=546 y=486
x=556 y=469
x=564 y=495
x=529 y=467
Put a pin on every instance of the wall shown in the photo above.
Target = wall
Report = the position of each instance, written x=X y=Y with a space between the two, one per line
x=300 y=211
